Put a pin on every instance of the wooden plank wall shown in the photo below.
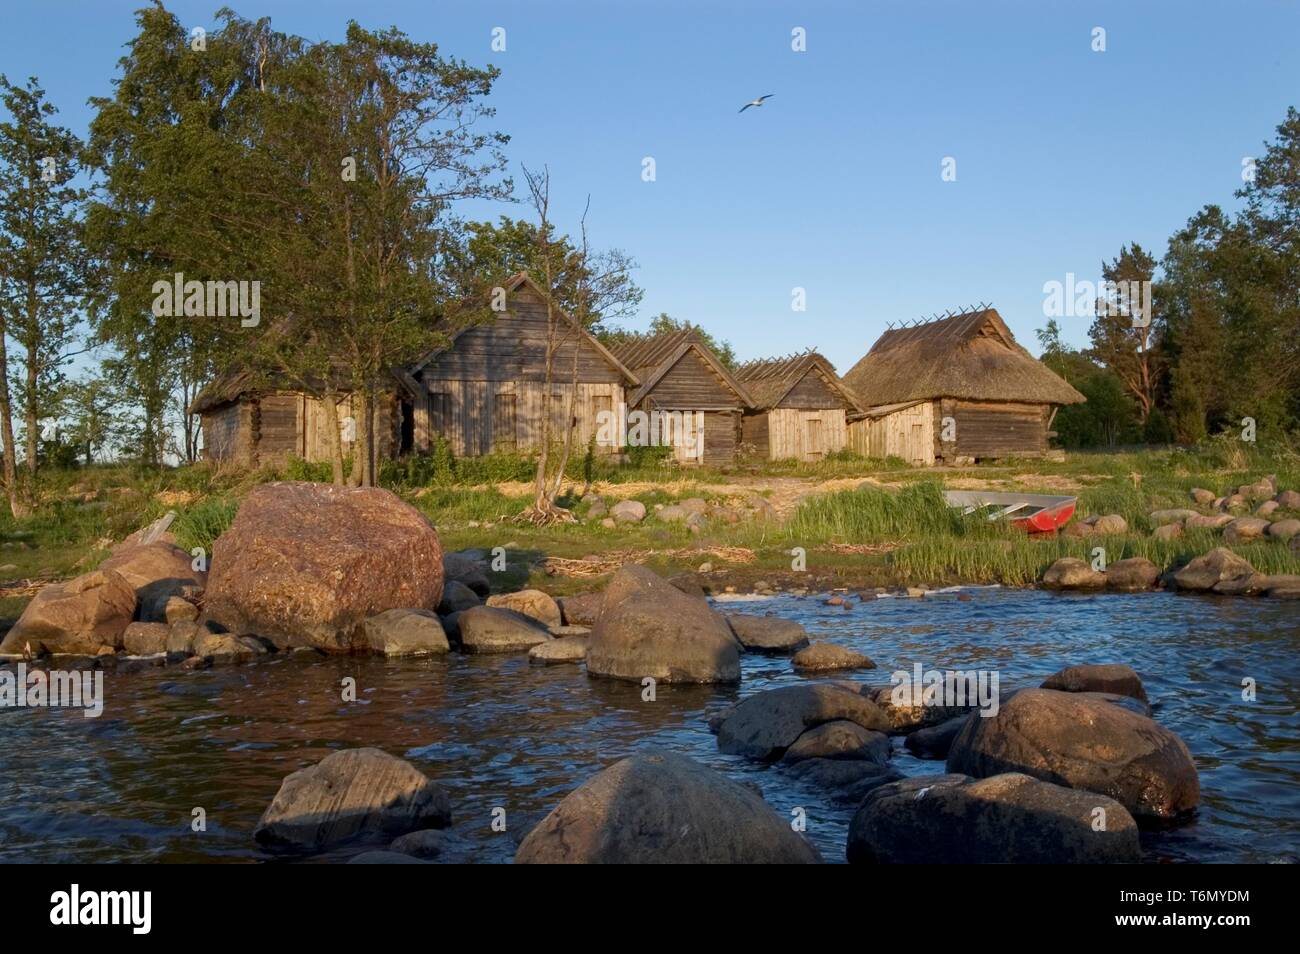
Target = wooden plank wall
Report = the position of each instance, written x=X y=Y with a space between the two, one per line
x=469 y=422
x=753 y=432
x=805 y=434
x=986 y=429
x=908 y=434
x=692 y=385
x=221 y=433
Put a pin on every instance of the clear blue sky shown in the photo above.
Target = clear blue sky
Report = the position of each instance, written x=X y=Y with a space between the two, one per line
x=1063 y=154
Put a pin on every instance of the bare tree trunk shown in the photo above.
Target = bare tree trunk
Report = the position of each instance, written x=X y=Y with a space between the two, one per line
x=30 y=412
x=330 y=405
x=17 y=506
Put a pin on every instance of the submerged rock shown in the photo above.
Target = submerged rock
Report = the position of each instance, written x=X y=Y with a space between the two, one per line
x=1009 y=818
x=846 y=781
x=767 y=723
x=348 y=793
x=1068 y=739
x=566 y=649
x=768 y=634
x=81 y=616
x=823 y=657
x=662 y=808
x=307 y=564
x=648 y=627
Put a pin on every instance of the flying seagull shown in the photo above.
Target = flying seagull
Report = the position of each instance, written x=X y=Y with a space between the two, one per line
x=756 y=102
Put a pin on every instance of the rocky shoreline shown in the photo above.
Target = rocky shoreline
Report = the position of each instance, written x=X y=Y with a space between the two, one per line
x=1066 y=772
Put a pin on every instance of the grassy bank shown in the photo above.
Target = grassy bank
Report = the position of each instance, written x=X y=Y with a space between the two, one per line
x=860 y=522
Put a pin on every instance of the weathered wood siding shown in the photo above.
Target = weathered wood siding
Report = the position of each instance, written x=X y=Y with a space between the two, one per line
x=754 y=433
x=487 y=391
x=475 y=417
x=986 y=429
x=691 y=385
x=224 y=441
x=805 y=434
x=812 y=393
x=908 y=434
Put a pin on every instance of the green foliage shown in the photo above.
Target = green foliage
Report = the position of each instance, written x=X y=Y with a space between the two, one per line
x=317 y=472
x=200 y=525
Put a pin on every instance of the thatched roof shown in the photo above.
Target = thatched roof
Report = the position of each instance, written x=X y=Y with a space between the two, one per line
x=650 y=357
x=971 y=356
x=769 y=380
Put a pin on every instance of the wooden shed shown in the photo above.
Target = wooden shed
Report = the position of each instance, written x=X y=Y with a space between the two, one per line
x=485 y=392
x=955 y=390
x=248 y=425
x=800 y=407
x=680 y=374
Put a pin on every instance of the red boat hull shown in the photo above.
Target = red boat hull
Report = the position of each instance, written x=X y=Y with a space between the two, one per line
x=1047 y=521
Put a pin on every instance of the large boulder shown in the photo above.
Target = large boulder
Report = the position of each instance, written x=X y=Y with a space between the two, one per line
x=1115 y=678
x=1085 y=743
x=1071 y=573
x=662 y=808
x=1204 y=572
x=933 y=742
x=1010 y=819
x=494 y=629
x=648 y=627
x=767 y=723
x=1132 y=575
x=406 y=632
x=824 y=657
x=307 y=564
x=80 y=616
x=532 y=603
x=348 y=793
x=157 y=572
x=768 y=634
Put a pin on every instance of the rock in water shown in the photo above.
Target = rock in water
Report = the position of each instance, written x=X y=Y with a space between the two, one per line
x=348 y=793
x=821 y=657
x=145 y=639
x=1009 y=818
x=1085 y=743
x=492 y=629
x=767 y=723
x=661 y=808
x=648 y=627
x=1218 y=566
x=768 y=634
x=1132 y=575
x=1109 y=677
x=307 y=564
x=81 y=616
x=1070 y=573
x=566 y=649
x=403 y=632
x=157 y=572
x=840 y=739
x=933 y=742
x=532 y=603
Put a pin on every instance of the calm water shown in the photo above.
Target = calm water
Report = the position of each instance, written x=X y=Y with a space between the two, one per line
x=501 y=733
